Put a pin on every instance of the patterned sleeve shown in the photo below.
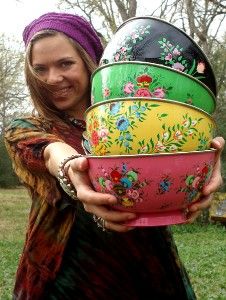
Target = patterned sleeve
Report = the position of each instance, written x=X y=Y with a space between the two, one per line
x=25 y=140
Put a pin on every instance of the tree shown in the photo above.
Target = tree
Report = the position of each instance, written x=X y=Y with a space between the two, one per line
x=13 y=95
x=109 y=13
x=8 y=178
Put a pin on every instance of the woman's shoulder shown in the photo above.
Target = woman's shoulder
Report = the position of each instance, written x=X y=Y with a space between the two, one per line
x=29 y=122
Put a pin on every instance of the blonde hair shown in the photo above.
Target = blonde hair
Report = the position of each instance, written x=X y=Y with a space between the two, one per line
x=38 y=88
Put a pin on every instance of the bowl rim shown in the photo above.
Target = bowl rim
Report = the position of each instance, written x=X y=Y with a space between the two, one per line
x=180 y=30
x=155 y=66
x=179 y=153
x=170 y=101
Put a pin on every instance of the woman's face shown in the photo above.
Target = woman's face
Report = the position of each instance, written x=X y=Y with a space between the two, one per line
x=57 y=63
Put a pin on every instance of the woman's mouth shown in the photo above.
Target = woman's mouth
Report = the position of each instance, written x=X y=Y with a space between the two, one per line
x=61 y=93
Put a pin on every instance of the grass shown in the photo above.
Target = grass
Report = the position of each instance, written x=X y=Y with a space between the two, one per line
x=201 y=247
x=13 y=217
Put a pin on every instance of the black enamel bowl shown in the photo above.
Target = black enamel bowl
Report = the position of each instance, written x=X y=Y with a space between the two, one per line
x=154 y=40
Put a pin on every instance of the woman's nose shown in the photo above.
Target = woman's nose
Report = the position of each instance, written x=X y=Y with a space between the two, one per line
x=54 y=77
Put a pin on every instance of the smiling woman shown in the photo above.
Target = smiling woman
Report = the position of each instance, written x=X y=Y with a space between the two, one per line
x=76 y=246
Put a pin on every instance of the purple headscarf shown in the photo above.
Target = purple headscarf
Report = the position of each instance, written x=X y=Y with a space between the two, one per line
x=74 y=26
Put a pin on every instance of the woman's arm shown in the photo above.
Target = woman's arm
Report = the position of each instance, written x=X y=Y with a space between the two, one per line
x=95 y=203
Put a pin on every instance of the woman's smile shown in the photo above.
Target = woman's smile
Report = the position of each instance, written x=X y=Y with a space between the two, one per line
x=61 y=93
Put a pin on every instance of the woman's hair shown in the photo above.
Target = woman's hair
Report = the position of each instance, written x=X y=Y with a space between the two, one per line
x=38 y=88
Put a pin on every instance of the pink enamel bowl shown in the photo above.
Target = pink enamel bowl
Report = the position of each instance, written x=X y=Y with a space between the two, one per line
x=157 y=187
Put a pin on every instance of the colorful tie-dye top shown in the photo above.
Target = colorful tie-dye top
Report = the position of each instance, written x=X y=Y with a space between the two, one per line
x=66 y=256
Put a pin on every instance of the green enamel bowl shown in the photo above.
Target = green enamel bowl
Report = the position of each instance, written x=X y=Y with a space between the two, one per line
x=139 y=79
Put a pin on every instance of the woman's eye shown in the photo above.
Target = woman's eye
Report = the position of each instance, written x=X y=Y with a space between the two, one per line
x=66 y=64
x=39 y=69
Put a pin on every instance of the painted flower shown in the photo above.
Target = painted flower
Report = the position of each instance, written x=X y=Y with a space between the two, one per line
x=169 y=57
x=126 y=144
x=108 y=185
x=117 y=57
x=123 y=49
x=114 y=108
x=134 y=194
x=106 y=92
x=125 y=201
x=144 y=80
x=159 y=92
x=185 y=123
x=178 y=66
x=144 y=149
x=94 y=138
x=134 y=36
x=201 y=67
x=190 y=132
x=178 y=135
x=126 y=182
x=129 y=88
x=115 y=175
x=128 y=136
x=194 y=122
x=143 y=108
x=205 y=170
x=132 y=176
x=164 y=186
x=173 y=148
x=165 y=135
x=176 y=52
x=159 y=147
x=192 y=195
x=142 y=92
x=122 y=124
x=103 y=132
x=134 y=107
x=196 y=182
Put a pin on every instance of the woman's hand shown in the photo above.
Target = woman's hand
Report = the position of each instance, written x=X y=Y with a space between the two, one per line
x=214 y=184
x=98 y=204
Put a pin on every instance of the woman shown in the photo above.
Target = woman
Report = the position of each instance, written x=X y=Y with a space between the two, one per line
x=66 y=255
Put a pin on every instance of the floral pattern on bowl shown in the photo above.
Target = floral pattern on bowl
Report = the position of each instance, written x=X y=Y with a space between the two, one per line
x=157 y=187
x=121 y=127
x=154 y=40
x=128 y=186
x=139 y=79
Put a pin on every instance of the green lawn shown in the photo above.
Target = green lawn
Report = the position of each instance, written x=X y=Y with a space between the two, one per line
x=202 y=248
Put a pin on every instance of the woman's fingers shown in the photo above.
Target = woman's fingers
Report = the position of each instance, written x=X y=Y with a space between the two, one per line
x=196 y=209
x=78 y=173
x=113 y=219
x=216 y=178
x=108 y=214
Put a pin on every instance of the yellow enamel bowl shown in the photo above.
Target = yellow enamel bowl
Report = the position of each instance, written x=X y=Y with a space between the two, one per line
x=146 y=125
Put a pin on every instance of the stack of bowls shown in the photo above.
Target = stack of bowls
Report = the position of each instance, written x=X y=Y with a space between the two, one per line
x=150 y=125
